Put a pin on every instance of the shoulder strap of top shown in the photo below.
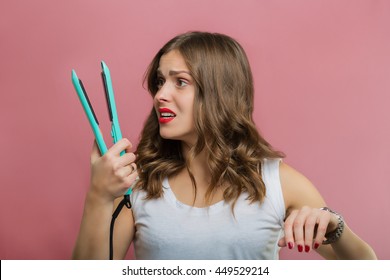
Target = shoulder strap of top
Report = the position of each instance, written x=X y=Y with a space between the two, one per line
x=271 y=178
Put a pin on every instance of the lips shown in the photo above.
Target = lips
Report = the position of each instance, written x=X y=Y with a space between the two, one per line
x=166 y=115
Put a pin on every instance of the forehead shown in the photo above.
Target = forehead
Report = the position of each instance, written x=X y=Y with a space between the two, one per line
x=172 y=60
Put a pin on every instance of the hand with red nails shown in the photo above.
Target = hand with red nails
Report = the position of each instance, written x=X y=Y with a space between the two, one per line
x=305 y=228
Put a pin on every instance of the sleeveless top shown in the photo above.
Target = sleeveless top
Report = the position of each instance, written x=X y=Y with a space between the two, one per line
x=169 y=229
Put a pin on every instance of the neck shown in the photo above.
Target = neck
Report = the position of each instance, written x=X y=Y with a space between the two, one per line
x=198 y=166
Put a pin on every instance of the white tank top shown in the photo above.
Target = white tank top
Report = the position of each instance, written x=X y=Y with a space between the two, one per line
x=169 y=229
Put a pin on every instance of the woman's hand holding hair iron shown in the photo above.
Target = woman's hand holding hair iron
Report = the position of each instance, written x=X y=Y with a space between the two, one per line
x=112 y=173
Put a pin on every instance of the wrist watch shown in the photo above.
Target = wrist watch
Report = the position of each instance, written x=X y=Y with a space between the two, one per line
x=333 y=236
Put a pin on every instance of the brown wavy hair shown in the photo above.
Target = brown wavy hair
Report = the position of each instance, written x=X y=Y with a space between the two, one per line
x=223 y=108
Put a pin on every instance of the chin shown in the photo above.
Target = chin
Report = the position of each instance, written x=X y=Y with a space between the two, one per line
x=168 y=136
x=174 y=136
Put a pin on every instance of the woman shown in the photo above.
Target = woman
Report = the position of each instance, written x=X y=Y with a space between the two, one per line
x=209 y=186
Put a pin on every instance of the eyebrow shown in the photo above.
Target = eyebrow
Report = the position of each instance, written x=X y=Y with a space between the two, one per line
x=174 y=72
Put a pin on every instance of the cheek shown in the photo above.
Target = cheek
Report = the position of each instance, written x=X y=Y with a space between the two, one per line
x=154 y=97
x=155 y=110
x=155 y=102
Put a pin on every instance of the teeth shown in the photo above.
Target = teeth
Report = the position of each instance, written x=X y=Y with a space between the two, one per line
x=167 y=115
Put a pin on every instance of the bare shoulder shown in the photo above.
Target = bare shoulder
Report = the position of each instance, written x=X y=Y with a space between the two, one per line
x=298 y=190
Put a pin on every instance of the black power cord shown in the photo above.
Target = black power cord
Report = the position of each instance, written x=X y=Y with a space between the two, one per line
x=124 y=202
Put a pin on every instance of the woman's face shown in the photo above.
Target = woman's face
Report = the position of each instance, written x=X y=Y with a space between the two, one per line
x=174 y=99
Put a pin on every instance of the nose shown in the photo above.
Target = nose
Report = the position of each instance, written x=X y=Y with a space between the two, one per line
x=163 y=94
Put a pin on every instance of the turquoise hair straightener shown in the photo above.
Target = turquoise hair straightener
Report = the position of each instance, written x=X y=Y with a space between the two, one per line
x=88 y=109
x=115 y=128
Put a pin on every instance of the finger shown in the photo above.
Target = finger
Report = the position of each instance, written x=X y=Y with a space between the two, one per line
x=95 y=153
x=121 y=145
x=123 y=172
x=282 y=242
x=298 y=235
x=129 y=169
x=130 y=180
x=134 y=167
x=126 y=171
x=288 y=229
x=321 y=228
x=298 y=227
x=309 y=229
x=126 y=159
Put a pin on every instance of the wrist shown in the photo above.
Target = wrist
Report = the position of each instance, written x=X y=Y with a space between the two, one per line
x=96 y=198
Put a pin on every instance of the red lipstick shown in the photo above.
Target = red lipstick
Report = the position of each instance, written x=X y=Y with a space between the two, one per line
x=166 y=115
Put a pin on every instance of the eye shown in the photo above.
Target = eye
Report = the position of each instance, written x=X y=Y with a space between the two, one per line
x=160 y=81
x=181 y=83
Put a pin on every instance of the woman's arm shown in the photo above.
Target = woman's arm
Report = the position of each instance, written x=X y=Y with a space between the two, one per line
x=306 y=225
x=111 y=175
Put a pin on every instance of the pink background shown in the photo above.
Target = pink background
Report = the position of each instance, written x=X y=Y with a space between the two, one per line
x=322 y=78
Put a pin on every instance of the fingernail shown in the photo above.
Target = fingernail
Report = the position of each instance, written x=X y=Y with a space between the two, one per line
x=300 y=248
x=307 y=248
x=290 y=245
x=316 y=245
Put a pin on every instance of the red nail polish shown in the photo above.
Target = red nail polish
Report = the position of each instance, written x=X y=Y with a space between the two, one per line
x=316 y=245
x=300 y=248
x=290 y=245
x=307 y=248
